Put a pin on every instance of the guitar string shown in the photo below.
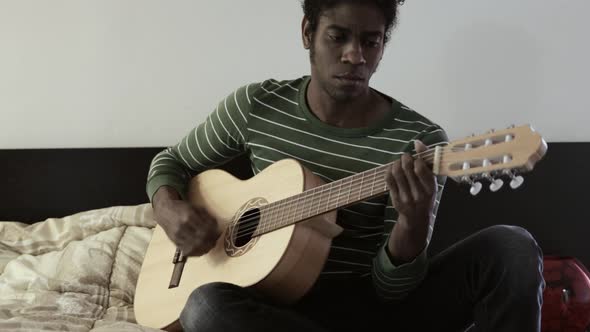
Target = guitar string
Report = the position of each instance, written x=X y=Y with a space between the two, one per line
x=251 y=223
x=341 y=182
x=251 y=220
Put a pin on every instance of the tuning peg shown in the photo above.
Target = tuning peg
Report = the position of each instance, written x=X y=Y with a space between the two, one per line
x=475 y=186
x=516 y=181
x=496 y=185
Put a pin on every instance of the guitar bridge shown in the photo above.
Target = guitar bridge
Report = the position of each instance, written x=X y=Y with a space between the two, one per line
x=178 y=261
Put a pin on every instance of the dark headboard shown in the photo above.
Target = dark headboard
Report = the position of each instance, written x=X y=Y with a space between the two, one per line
x=552 y=203
x=36 y=184
x=41 y=183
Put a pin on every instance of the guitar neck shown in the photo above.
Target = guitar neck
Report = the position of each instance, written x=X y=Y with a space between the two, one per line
x=515 y=149
x=328 y=197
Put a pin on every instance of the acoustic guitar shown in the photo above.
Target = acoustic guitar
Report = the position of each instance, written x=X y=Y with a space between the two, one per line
x=277 y=227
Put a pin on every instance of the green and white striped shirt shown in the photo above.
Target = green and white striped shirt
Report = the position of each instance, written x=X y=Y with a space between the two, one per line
x=271 y=121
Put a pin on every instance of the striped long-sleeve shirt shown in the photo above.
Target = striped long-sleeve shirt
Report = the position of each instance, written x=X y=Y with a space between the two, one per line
x=271 y=121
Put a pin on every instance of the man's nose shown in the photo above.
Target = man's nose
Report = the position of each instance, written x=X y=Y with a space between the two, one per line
x=353 y=54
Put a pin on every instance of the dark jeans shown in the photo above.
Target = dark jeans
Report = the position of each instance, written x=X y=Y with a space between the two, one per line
x=492 y=278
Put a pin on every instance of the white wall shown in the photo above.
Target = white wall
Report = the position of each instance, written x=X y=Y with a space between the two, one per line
x=108 y=73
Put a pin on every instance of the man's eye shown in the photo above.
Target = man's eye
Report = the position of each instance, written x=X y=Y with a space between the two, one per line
x=373 y=43
x=336 y=38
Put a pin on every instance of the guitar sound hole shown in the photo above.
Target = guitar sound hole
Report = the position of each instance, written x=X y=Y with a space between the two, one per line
x=246 y=226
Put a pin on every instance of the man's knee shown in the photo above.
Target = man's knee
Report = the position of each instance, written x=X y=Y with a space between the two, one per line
x=203 y=305
x=208 y=293
x=517 y=252
x=513 y=241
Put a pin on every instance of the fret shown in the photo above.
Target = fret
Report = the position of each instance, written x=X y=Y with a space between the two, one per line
x=373 y=182
x=288 y=204
x=307 y=203
x=350 y=186
x=279 y=218
x=301 y=199
x=347 y=186
x=319 y=202
x=297 y=205
x=312 y=203
x=329 y=196
x=361 y=188
x=339 y=194
x=303 y=203
x=349 y=189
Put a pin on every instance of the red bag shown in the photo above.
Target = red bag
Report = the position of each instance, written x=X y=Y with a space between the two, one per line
x=566 y=299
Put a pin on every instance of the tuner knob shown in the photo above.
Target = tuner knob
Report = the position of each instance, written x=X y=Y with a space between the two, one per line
x=496 y=185
x=475 y=188
x=516 y=181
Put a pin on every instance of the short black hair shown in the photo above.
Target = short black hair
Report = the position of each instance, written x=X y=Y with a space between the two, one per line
x=312 y=9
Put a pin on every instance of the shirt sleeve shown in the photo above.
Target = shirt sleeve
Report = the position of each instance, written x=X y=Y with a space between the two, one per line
x=218 y=139
x=393 y=283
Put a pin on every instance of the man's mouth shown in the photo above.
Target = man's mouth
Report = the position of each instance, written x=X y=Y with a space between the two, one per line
x=350 y=78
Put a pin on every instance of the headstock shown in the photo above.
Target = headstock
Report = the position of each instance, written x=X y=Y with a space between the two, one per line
x=491 y=156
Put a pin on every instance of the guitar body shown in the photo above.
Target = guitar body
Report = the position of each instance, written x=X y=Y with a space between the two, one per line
x=283 y=263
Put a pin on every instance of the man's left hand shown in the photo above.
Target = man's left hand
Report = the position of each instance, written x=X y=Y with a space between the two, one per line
x=412 y=187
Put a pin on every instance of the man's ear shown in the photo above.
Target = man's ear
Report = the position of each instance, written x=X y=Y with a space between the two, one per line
x=305 y=33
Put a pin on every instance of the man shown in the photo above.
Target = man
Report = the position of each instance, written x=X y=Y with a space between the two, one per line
x=378 y=270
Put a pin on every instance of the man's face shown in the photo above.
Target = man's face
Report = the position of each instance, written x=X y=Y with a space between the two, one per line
x=346 y=49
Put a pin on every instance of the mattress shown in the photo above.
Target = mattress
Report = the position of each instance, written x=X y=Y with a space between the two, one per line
x=76 y=273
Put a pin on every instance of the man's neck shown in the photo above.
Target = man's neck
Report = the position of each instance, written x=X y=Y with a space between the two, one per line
x=354 y=113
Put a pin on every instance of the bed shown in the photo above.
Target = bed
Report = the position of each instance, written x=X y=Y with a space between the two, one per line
x=74 y=227
x=75 y=224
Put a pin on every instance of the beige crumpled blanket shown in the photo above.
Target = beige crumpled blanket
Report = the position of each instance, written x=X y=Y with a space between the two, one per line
x=76 y=273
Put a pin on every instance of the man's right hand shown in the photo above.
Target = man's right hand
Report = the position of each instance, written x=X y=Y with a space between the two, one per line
x=192 y=229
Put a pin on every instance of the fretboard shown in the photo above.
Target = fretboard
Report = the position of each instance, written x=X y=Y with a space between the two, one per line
x=322 y=199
